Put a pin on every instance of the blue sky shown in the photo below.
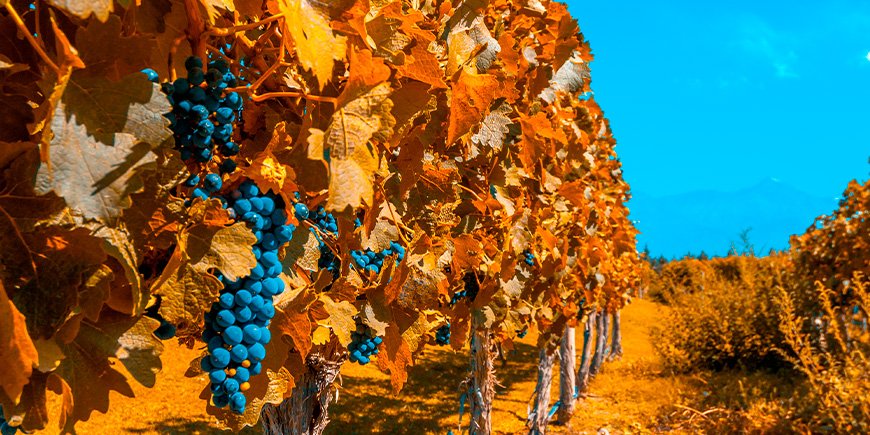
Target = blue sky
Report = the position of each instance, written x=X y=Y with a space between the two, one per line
x=721 y=95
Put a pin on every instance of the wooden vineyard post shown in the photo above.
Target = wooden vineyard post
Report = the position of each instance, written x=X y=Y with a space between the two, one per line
x=616 y=340
x=540 y=415
x=586 y=355
x=480 y=385
x=567 y=382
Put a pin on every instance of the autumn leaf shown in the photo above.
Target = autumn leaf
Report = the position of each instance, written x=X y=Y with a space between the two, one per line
x=108 y=53
x=67 y=259
x=186 y=287
x=472 y=96
x=16 y=349
x=133 y=105
x=568 y=78
x=227 y=248
x=316 y=46
x=88 y=369
x=395 y=359
x=352 y=158
x=341 y=318
x=85 y=8
x=494 y=128
x=471 y=45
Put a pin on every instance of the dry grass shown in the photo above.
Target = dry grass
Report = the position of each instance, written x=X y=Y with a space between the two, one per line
x=629 y=396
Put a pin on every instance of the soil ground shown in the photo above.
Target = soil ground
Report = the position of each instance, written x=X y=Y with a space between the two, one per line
x=630 y=395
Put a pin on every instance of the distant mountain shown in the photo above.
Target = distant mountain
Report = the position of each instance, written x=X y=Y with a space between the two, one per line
x=711 y=221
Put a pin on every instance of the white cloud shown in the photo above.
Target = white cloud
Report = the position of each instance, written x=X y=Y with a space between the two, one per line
x=774 y=47
x=868 y=55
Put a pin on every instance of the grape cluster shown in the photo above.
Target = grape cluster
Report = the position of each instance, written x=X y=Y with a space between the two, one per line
x=237 y=325
x=469 y=290
x=5 y=429
x=528 y=257
x=363 y=344
x=442 y=335
x=203 y=112
x=325 y=221
x=372 y=261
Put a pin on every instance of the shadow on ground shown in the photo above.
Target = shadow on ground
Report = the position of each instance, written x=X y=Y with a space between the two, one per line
x=428 y=402
x=182 y=426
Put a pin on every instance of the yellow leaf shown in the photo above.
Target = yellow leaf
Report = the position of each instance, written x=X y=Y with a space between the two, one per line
x=352 y=160
x=317 y=47
x=320 y=336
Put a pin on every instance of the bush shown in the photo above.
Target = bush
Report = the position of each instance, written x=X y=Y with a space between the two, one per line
x=729 y=322
x=836 y=366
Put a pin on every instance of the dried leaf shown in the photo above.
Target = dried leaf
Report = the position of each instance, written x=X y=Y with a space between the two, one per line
x=17 y=351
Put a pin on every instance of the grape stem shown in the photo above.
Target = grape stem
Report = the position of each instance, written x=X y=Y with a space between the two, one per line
x=33 y=42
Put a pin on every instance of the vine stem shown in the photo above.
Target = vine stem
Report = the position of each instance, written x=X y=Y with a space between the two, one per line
x=227 y=31
x=298 y=94
x=33 y=42
x=195 y=29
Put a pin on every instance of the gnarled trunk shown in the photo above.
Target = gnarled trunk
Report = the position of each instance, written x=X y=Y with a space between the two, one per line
x=540 y=415
x=616 y=337
x=305 y=412
x=600 y=342
x=480 y=385
x=567 y=383
x=586 y=356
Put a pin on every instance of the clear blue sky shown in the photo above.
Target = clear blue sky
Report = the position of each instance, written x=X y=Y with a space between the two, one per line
x=720 y=95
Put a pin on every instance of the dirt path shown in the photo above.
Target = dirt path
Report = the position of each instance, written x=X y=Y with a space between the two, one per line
x=626 y=396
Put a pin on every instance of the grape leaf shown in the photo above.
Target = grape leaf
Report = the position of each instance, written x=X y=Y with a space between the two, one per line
x=108 y=53
x=227 y=249
x=88 y=367
x=494 y=128
x=66 y=260
x=132 y=105
x=470 y=39
x=352 y=159
x=293 y=321
x=16 y=349
x=312 y=39
x=472 y=96
x=85 y=8
x=569 y=78
x=93 y=178
x=395 y=359
x=341 y=316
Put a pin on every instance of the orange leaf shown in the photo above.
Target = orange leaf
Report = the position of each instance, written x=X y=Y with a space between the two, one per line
x=16 y=349
x=472 y=96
